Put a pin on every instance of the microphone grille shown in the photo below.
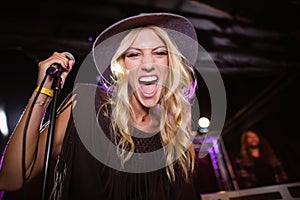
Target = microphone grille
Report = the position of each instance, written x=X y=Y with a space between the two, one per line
x=69 y=55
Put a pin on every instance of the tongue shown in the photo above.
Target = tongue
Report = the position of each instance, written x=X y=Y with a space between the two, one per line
x=148 y=89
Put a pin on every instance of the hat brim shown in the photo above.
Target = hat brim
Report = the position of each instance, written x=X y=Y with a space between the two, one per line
x=179 y=28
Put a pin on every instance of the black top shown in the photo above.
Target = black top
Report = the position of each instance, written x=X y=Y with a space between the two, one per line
x=264 y=172
x=91 y=179
x=258 y=173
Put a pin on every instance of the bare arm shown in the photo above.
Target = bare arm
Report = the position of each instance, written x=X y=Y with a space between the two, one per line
x=11 y=169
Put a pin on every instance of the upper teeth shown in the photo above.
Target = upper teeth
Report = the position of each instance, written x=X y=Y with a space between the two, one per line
x=148 y=78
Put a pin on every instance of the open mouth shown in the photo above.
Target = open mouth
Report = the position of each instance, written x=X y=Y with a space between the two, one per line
x=146 y=80
x=148 y=85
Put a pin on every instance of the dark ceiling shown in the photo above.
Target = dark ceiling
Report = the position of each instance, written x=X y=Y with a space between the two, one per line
x=38 y=27
x=254 y=44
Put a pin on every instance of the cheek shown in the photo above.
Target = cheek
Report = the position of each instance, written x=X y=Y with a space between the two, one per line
x=162 y=62
x=164 y=71
x=164 y=68
x=132 y=78
x=131 y=64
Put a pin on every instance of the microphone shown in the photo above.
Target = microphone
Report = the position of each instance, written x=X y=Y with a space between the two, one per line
x=55 y=67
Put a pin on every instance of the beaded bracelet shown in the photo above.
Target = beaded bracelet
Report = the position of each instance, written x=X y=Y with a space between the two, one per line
x=45 y=91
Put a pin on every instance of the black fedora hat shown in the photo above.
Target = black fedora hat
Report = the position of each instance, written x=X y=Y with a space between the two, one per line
x=180 y=30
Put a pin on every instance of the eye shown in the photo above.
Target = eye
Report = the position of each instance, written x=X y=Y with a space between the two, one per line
x=132 y=54
x=161 y=53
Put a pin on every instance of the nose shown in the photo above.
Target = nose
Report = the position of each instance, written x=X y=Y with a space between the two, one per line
x=148 y=67
x=147 y=58
x=147 y=63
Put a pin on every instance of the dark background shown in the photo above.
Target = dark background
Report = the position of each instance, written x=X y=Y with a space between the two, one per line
x=254 y=43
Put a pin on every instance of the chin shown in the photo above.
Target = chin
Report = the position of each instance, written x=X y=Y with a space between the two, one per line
x=149 y=103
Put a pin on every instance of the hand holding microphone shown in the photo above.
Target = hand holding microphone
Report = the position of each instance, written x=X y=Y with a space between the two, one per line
x=56 y=67
x=57 y=62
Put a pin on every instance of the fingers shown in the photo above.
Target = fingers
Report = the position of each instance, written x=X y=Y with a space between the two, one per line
x=54 y=60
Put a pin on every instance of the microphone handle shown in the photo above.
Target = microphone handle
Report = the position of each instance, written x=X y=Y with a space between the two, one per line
x=53 y=69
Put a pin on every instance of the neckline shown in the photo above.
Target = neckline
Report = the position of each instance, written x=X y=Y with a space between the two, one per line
x=137 y=133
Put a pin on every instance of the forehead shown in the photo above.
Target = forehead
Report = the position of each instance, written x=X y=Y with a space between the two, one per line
x=147 y=38
x=251 y=134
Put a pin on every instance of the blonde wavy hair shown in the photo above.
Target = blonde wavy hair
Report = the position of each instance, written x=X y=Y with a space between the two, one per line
x=176 y=133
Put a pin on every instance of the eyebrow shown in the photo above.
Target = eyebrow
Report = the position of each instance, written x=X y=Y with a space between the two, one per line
x=138 y=49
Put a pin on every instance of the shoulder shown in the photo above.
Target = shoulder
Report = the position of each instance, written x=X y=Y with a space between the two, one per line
x=91 y=93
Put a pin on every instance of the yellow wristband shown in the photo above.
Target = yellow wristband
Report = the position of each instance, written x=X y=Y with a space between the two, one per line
x=45 y=91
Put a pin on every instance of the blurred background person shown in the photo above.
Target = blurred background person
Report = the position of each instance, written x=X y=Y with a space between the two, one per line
x=256 y=164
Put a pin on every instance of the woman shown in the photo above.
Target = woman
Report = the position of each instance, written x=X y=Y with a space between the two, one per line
x=144 y=110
